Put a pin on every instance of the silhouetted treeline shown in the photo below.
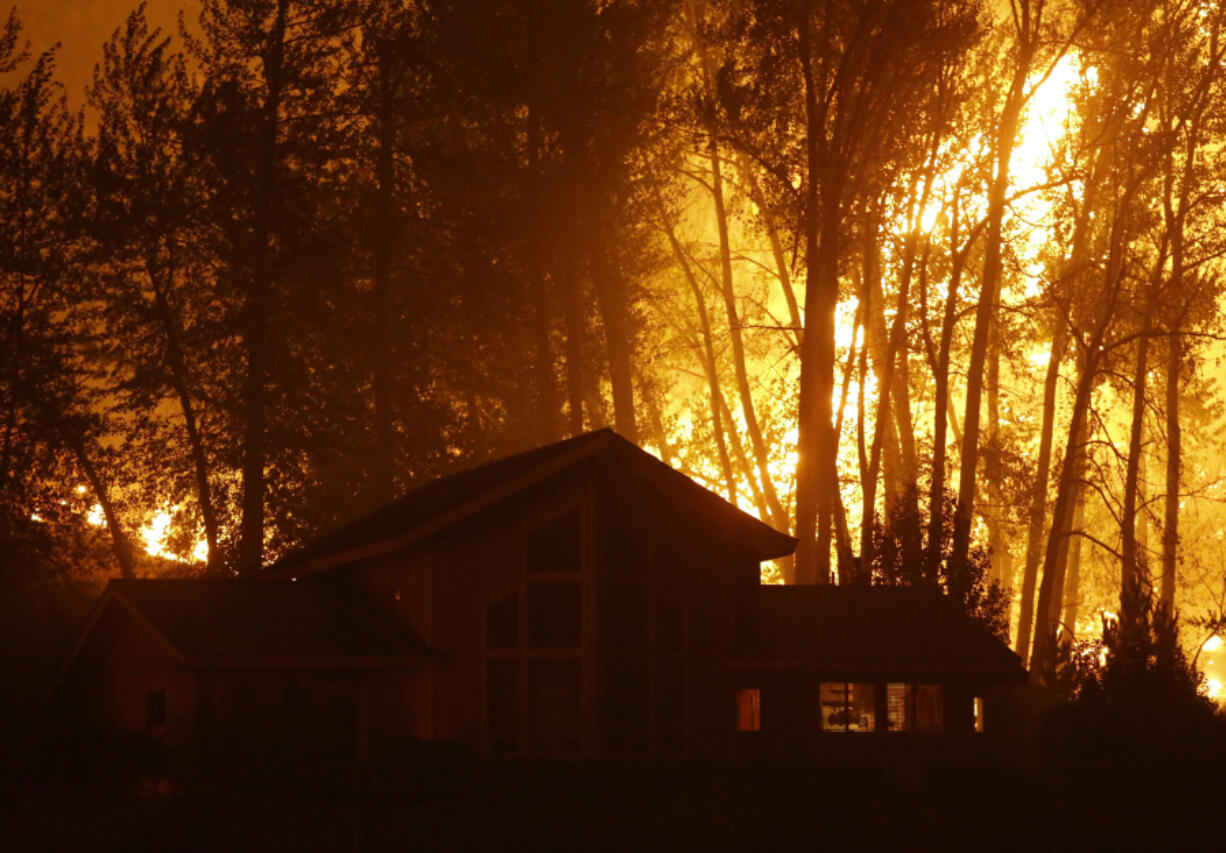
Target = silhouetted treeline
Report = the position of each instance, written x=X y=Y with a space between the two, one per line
x=836 y=260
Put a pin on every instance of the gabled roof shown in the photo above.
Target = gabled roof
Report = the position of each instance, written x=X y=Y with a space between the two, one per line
x=223 y=623
x=449 y=500
x=885 y=631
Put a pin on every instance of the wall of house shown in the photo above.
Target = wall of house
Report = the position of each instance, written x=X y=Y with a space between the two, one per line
x=695 y=567
x=662 y=687
x=123 y=663
x=484 y=562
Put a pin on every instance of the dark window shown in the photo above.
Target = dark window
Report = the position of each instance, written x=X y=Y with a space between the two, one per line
x=155 y=709
x=670 y=702
x=556 y=546
x=668 y=625
x=553 y=615
x=625 y=615
x=556 y=713
x=929 y=709
x=502 y=696
x=626 y=546
x=502 y=623
x=627 y=704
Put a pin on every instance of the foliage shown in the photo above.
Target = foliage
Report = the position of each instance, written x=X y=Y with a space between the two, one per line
x=1133 y=701
x=309 y=253
x=980 y=595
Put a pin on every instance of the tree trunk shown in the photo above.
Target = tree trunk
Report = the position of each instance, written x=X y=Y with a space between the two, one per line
x=774 y=508
x=1072 y=586
x=1174 y=451
x=257 y=309
x=180 y=382
x=1001 y=563
x=120 y=543
x=611 y=302
x=1038 y=494
x=885 y=394
x=1073 y=278
x=548 y=405
x=989 y=295
x=384 y=232
x=708 y=349
x=817 y=465
x=782 y=270
x=942 y=410
x=1052 y=585
x=574 y=346
x=1132 y=567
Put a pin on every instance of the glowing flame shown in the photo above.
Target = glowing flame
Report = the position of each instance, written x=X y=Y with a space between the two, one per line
x=155 y=533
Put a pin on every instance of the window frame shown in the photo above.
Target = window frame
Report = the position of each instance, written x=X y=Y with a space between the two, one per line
x=526 y=740
x=155 y=710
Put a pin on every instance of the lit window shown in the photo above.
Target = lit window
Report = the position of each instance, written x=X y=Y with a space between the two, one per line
x=848 y=706
x=155 y=709
x=978 y=713
x=899 y=707
x=749 y=710
x=914 y=708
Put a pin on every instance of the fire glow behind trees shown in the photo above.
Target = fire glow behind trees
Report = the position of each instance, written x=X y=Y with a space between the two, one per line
x=314 y=253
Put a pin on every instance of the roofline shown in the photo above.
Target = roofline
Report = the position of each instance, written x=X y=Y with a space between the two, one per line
x=601 y=438
x=786 y=542
x=1002 y=673
x=312 y=661
x=598 y=440
x=110 y=595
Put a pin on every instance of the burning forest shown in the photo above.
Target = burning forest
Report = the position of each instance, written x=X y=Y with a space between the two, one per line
x=935 y=288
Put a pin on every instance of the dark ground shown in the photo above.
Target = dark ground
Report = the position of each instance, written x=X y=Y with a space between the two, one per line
x=541 y=807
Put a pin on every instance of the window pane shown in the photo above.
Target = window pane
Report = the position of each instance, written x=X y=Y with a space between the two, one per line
x=556 y=716
x=626 y=547
x=502 y=623
x=670 y=702
x=929 y=715
x=502 y=696
x=555 y=546
x=625 y=615
x=626 y=713
x=898 y=707
x=979 y=713
x=862 y=704
x=835 y=714
x=668 y=625
x=749 y=710
x=553 y=615
x=155 y=709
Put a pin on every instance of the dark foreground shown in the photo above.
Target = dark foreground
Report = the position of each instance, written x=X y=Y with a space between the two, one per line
x=523 y=806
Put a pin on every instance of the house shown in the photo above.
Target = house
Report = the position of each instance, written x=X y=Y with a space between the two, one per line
x=580 y=599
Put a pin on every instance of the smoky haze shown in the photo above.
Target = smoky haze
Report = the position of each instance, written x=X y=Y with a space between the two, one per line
x=81 y=27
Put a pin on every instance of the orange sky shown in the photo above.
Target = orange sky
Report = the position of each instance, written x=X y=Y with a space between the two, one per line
x=81 y=26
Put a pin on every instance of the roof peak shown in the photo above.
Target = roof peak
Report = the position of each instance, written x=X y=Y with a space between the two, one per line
x=444 y=501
